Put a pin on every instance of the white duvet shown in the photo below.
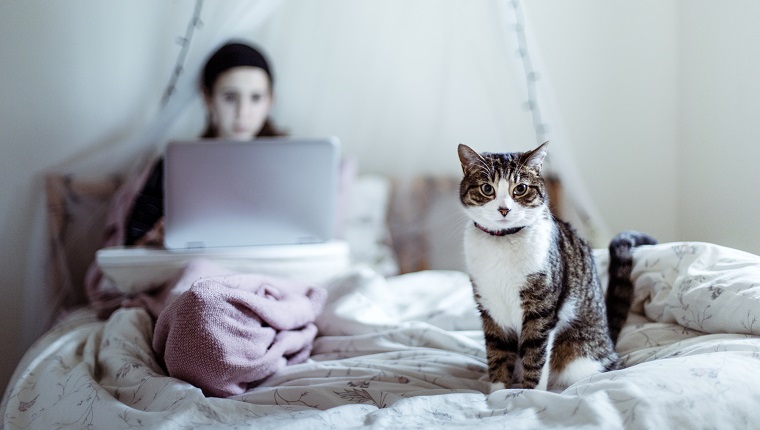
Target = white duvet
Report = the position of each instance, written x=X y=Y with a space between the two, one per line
x=407 y=352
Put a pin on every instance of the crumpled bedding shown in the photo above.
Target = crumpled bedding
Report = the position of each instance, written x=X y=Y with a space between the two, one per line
x=407 y=352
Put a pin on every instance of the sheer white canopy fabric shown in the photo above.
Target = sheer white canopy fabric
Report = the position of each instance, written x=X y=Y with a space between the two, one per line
x=400 y=83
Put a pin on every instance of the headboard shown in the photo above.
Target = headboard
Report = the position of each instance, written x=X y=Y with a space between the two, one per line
x=76 y=214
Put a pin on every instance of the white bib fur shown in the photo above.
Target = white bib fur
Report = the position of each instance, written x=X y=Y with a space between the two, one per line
x=499 y=266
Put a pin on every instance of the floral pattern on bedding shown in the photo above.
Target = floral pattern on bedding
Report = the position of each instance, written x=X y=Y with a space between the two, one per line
x=407 y=352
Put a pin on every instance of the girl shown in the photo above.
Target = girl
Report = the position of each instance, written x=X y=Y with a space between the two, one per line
x=236 y=84
x=237 y=91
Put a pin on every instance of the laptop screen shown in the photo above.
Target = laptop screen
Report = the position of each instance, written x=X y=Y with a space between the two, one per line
x=267 y=191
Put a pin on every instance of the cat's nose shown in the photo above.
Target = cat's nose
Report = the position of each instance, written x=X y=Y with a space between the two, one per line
x=503 y=211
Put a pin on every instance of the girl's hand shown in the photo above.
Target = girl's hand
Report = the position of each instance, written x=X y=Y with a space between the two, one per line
x=155 y=237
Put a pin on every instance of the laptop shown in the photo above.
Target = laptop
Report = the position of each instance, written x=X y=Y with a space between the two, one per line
x=268 y=191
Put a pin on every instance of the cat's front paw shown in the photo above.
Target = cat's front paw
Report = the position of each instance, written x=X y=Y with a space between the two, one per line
x=496 y=386
x=517 y=386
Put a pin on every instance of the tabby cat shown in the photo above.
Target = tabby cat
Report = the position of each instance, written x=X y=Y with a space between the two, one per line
x=543 y=309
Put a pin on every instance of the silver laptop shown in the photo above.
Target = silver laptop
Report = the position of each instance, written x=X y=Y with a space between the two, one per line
x=269 y=191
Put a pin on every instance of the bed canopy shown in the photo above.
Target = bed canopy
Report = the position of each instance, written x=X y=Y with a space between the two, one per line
x=400 y=83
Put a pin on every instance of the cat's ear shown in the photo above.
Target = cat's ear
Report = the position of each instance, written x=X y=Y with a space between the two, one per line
x=536 y=157
x=468 y=156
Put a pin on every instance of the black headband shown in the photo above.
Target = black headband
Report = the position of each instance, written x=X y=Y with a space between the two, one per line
x=233 y=55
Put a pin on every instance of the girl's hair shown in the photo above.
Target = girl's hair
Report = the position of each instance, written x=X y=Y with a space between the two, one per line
x=230 y=55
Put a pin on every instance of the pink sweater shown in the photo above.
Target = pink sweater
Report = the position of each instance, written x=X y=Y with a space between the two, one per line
x=226 y=333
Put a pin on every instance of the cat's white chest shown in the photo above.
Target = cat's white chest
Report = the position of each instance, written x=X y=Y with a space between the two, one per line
x=499 y=267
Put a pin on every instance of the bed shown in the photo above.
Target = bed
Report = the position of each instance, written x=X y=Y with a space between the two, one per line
x=399 y=343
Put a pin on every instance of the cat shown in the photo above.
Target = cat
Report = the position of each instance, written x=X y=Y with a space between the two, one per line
x=545 y=318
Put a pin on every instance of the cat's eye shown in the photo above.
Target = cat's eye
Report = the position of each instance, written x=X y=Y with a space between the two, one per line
x=520 y=190
x=487 y=190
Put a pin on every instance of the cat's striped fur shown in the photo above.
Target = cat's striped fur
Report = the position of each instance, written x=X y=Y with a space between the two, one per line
x=545 y=318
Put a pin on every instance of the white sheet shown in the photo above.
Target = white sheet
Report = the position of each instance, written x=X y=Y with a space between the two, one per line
x=407 y=352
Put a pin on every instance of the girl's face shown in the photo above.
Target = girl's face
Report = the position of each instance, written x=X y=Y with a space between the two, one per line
x=240 y=102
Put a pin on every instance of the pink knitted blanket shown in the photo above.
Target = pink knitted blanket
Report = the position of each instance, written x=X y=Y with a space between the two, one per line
x=227 y=333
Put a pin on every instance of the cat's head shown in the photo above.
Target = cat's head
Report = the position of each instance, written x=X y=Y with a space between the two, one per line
x=503 y=191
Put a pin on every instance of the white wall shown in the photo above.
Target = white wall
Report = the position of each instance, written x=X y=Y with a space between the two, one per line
x=719 y=107
x=657 y=96
x=613 y=67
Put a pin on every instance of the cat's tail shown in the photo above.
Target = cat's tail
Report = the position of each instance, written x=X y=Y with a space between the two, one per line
x=620 y=289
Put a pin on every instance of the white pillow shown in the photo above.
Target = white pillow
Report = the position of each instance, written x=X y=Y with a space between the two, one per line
x=701 y=286
x=365 y=225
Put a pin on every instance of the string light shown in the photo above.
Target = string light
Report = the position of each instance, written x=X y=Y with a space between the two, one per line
x=531 y=76
x=184 y=42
